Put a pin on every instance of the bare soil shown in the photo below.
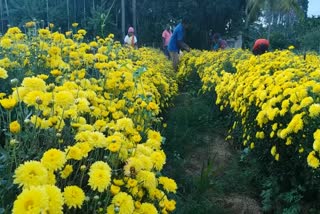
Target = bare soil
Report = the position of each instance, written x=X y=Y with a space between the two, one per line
x=218 y=151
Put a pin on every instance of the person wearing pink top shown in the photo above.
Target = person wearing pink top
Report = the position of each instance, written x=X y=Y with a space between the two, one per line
x=166 y=35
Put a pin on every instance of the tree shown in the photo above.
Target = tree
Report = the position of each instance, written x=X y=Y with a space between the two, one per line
x=255 y=7
x=223 y=16
x=123 y=15
x=149 y=16
x=274 y=12
x=134 y=13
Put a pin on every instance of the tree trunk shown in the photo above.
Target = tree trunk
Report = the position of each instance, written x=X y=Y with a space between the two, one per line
x=269 y=26
x=84 y=12
x=1 y=14
x=74 y=11
x=68 y=14
x=47 y=1
x=123 y=18
x=134 y=14
x=7 y=9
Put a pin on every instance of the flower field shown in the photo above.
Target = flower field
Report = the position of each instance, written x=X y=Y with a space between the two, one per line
x=275 y=96
x=80 y=121
x=275 y=102
x=79 y=125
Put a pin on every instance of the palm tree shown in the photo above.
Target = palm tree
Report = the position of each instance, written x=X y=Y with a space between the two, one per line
x=255 y=7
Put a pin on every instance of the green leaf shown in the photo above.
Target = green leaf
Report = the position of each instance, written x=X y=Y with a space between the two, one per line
x=139 y=72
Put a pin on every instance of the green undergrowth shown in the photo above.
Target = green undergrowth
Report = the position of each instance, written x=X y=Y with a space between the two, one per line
x=193 y=120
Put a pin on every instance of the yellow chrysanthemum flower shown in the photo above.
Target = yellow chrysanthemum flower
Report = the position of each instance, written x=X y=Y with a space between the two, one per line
x=99 y=176
x=124 y=124
x=314 y=110
x=154 y=135
x=146 y=208
x=56 y=72
x=3 y=73
x=147 y=179
x=55 y=199
x=73 y=196
x=306 y=102
x=35 y=98
x=73 y=152
x=44 y=33
x=114 y=189
x=152 y=143
x=118 y=182
x=168 y=184
x=82 y=32
x=68 y=169
x=53 y=159
x=64 y=99
x=34 y=84
x=273 y=150
x=114 y=147
x=31 y=173
x=6 y=43
x=170 y=205
x=33 y=200
x=312 y=160
x=122 y=203
x=8 y=103
x=15 y=127
x=159 y=159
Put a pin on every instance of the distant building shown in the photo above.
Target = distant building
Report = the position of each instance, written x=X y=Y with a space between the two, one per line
x=235 y=42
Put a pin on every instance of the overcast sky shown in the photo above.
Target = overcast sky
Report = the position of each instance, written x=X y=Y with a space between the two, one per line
x=314 y=8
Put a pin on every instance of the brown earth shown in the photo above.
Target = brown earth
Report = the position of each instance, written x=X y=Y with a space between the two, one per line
x=218 y=152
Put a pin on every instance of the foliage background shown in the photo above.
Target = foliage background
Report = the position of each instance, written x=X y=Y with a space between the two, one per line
x=284 y=24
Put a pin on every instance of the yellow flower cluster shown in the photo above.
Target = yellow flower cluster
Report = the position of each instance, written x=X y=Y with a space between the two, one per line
x=275 y=95
x=85 y=113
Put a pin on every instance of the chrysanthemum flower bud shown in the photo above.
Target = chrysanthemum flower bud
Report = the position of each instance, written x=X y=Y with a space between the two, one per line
x=50 y=87
x=13 y=142
x=39 y=100
x=116 y=209
x=14 y=81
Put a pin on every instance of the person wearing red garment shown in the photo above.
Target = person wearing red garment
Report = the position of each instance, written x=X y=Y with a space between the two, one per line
x=260 y=46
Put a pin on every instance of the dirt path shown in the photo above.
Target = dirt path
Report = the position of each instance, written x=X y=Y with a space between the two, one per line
x=219 y=154
x=203 y=164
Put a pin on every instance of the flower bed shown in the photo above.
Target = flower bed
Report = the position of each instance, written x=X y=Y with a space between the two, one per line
x=79 y=125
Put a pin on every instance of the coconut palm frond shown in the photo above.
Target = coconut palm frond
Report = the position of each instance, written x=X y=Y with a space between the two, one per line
x=253 y=9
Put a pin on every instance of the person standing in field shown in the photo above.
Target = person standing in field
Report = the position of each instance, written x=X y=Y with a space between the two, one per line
x=166 y=35
x=260 y=46
x=176 y=42
x=130 y=39
x=218 y=42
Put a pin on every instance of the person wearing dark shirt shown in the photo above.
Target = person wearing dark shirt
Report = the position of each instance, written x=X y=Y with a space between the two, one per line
x=218 y=42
